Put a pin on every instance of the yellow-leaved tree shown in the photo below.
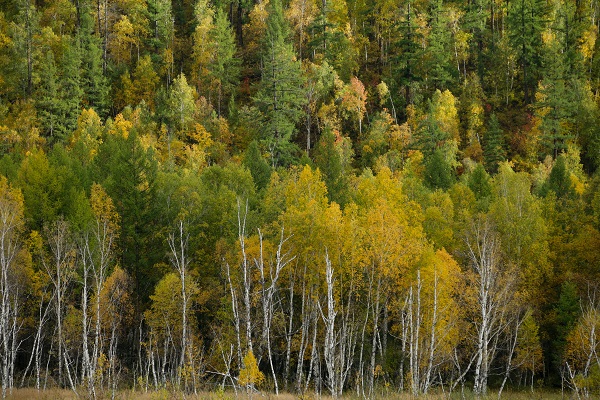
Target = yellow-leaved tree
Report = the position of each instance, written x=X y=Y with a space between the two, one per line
x=250 y=375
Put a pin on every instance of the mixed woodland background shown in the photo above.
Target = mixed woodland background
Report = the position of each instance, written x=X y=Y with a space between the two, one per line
x=336 y=196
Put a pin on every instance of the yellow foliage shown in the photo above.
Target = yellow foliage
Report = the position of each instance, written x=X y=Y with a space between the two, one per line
x=529 y=350
x=104 y=209
x=584 y=341
x=300 y=14
x=445 y=113
x=124 y=40
x=255 y=29
x=588 y=42
x=120 y=127
x=116 y=302
x=250 y=375
x=202 y=48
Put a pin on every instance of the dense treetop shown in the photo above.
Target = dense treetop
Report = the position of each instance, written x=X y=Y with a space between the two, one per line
x=335 y=195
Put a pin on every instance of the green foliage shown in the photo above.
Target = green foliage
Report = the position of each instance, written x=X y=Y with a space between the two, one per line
x=279 y=97
x=526 y=21
x=440 y=66
x=260 y=170
x=329 y=161
x=93 y=81
x=224 y=67
x=47 y=99
x=480 y=184
x=559 y=180
x=197 y=110
x=438 y=173
x=567 y=313
x=128 y=173
x=493 y=145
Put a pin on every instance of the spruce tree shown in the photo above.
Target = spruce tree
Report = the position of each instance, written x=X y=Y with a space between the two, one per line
x=258 y=167
x=224 y=67
x=557 y=107
x=438 y=171
x=128 y=173
x=47 y=97
x=329 y=161
x=480 y=184
x=567 y=311
x=440 y=68
x=408 y=52
x=93 y=81
x=559 y=180
x=279 y=97
x=526 y=21
x=71 y=92
x=493 y=145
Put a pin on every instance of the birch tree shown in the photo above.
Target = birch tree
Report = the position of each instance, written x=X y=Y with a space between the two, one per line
x=97 y=253
x=493 y=286
x=178 y=245
x=11 y=224
x=60 y=267
x=268 y=291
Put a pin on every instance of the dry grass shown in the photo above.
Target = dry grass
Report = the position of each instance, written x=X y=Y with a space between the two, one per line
x=56 y=394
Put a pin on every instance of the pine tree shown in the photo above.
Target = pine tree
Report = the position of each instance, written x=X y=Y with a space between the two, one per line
x=480 y=184
x=329 y=161
x=440 y=68
x=279 y=97
x=160 y=16
x=408 y=52
x=71 y=92
x=493 y=145
x=328 y=42
x=224 y=66
x=438 y=171
x=526 y=21
x=47 y=97
x=259 y=169
x=128 y=173
x=559 y=181
x=93 y=81
x=567 y=312
x=556 y=106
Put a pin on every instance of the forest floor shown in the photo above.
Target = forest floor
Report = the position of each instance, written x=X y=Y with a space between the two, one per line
x=55 y=394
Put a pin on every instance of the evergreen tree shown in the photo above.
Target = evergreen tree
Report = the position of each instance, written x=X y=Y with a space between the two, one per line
x=559 y=180
x=160 y=15
x=567 y=312
x=526 y=21
x=128 y=173
x=71 y=92
x=279 y=97
x=47 y=97
x=224 y=66
x=256 y=164
x=328 y=160
x=438 y=171
x=480 y=184
x=570 y=24
x=93 y=81
x=408 y=51
x=440 y=66
x=493 y=145
x=328 y=42
x=557 y=106
x=19 y=71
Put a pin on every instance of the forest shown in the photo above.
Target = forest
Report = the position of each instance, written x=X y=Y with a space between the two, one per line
x=337 y=197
